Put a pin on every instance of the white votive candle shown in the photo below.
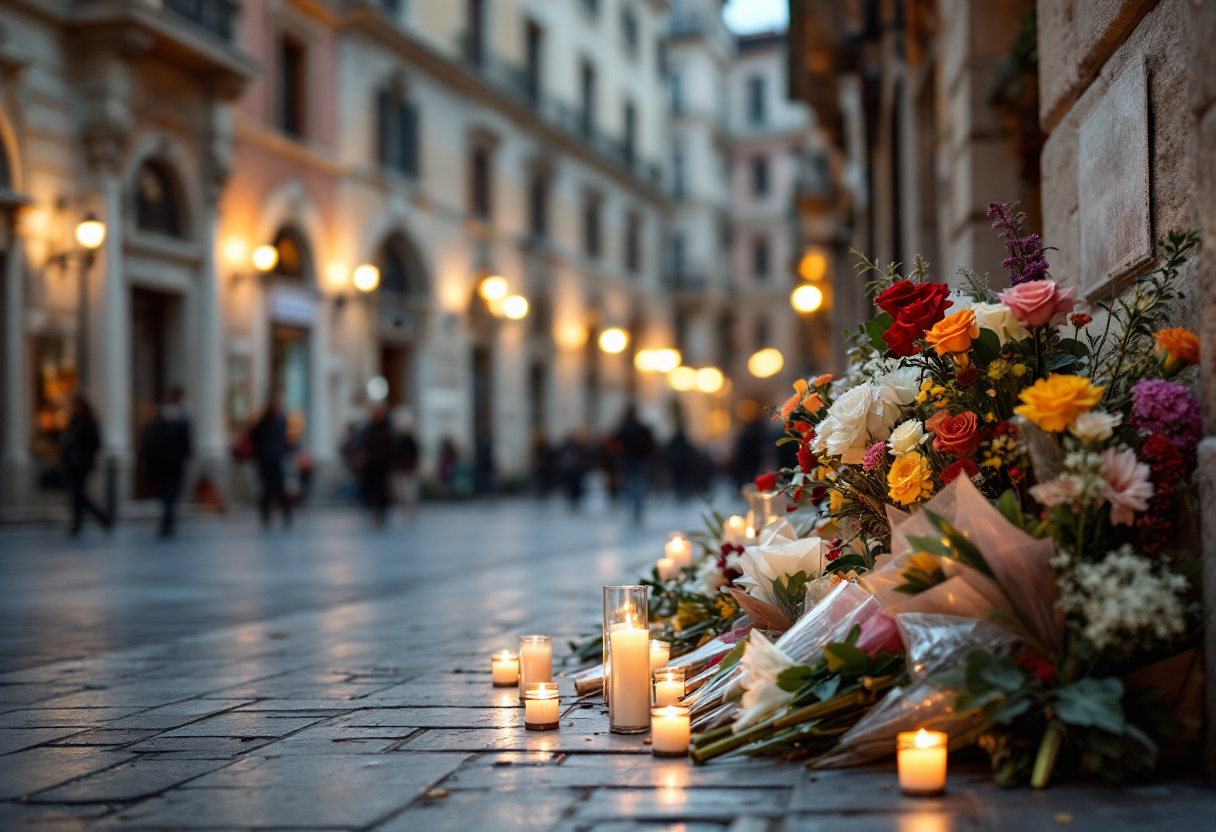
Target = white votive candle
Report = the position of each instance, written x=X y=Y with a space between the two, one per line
x=505 y=669
x=666 y=567
x=734 y=529
x=668 y=686
x=679 y=550
x=535 y=660
x=660 y=652
x=669 y=731
x=629 y=693
x=541 y=706
x=921 y=758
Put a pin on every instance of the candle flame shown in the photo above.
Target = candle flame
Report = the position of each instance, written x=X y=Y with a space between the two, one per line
x=671 y=711
x=923 y=740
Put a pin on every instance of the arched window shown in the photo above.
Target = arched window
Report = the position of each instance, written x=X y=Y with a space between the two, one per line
x=295 y=258
x=401 y=268
x=156 y=204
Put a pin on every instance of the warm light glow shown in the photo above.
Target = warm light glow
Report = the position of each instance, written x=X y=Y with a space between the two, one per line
x=710 y=379
x=493 y=288
x=572 y=335
x=265 y=257
x=667 y=360
x=813 y=265
x=366 y=278
x=336 y=276
x=682 y=378
x=719 y=421
x=91 y=232
x=614 y=340
x=923 y=740
x=644 y=361
x=235 y=252
x=515 y=307
x=766 y=362
x=807 y=298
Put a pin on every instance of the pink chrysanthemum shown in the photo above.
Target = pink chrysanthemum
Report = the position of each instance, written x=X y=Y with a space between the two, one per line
x=1128 y=489
x=874 y=456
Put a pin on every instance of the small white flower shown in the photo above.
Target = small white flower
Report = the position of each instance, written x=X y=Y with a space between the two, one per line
x=909 y=436
x=761 y=664
x=999 y=319
x=900 y=386
x=1095 y=426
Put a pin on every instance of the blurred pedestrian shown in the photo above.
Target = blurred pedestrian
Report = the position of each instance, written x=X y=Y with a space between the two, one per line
x=449 y=466
x=269 y=437
x=750 y=448
x=484 y=474
x=78 y=449
x=573 y=461
x=377 y=457
x=165 y=447
x=544 y=464
x=636 y=446
x=405 y=461
x=681 y=463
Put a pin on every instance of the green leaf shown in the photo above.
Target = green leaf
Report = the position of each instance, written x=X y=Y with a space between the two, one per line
x=987 y=347
x=876 y=327
x=932 y=545
x=846 y=562
x=826 y=689
x=1093 y=702
x=793 y=678
x=986 y=671
x=1073 y=347
x=1010 y=507
x=845 y=659
x=957 y=544
x=1061 y=361
x=732 y=658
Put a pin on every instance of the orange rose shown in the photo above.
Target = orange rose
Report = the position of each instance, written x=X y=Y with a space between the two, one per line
x=934 y=421
x=1176 y=350
x=958 y=435
x=954 y=333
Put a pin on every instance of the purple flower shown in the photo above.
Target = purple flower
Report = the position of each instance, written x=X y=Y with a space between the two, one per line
x=1028 y=261
x=1166 y=408
x=874 y=456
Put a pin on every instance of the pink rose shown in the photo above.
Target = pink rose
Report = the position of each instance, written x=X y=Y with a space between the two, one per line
x=1038 y=302
x=879 y=634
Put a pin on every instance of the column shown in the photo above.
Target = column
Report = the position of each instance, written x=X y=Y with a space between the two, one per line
x=14 y=461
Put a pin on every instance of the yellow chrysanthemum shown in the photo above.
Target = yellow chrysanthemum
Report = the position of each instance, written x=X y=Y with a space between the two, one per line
x=1053 y=402
x=910 y=478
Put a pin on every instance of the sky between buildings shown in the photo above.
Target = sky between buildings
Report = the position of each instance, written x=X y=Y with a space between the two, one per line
x=747 y=16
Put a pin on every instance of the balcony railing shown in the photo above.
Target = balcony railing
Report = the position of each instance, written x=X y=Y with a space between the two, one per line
x=216 y=16
x=516 y=83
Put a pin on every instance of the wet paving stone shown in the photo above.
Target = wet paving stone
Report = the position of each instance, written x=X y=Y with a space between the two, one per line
x=128 y=781
x=26 y=772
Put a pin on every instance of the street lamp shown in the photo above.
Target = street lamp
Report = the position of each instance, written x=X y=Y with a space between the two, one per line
x=614 y=340
x=493 y=288
x=710 y=379
x=265 y=258
x=366 y=278
x=807 y=298
x=765 y=363
x=682 y=379
x=91 y=232
x=515 y=307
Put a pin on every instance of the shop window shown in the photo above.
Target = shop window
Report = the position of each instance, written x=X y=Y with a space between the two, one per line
x=156 y=207
x=55 y=380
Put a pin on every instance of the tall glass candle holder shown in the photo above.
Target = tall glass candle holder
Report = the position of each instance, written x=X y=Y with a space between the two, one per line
x=535 y=661
x=541 y=706
x=760 y=513
x=626 y=659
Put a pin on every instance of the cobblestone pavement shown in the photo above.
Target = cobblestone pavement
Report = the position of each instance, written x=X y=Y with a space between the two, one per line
x=332 y=677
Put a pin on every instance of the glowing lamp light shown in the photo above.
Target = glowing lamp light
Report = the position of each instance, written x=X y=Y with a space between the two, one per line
x=366 y=278
x=613 y=340
x=91 y=232
x=710 y=379
x=813 y=265
x=493 y=288
x=682 y=378
x=667 y=360
x=336 y=276
x=235 y=252
x=765 y=363
x=377 y=388
x=515 y=307
x=265 y=258
x=645 y=361
x=807 y=298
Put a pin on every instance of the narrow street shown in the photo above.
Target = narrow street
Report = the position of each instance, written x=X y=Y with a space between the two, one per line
x=335 y=677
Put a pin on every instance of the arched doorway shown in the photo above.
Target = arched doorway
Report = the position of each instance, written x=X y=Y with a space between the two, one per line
x=292 y=314
x=402 y=298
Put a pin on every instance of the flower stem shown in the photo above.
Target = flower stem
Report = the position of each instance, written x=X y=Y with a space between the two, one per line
x=1045 y=761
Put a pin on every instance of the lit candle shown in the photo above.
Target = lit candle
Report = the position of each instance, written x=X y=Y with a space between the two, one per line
x=629 y=695
x=660 y=652
x=679 y=550
x=669 y=731
x=666 y=567
x=733 y=531
x=922 y=762
x=535 y=661
x=668 y=686
x=505 y=668
x=541 y=706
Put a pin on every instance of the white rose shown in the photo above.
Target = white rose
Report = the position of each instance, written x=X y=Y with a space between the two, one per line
x=900 y=387
x=999 y=319
x=907 y=437
x=762 y=662
x=1095 y=426
x=853 y=421
x=761 y=565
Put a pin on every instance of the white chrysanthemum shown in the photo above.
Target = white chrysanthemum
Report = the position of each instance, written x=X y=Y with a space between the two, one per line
x=761 y=664
x=900 y=386
x=1120 y=603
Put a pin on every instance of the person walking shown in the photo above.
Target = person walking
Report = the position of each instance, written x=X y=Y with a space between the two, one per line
x=573 y=462
x=377 y=461
x=405 y=462
x=636 y=444
x=78 y=449
x=269 y=437
x=165 y=448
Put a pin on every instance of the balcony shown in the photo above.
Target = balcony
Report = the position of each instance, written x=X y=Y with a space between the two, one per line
x=517 y=84
x=218 y=17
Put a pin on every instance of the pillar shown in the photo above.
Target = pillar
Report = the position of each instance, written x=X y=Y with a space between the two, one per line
x=14 y=458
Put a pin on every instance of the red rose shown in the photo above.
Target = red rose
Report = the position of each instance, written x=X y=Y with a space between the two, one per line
x=900 y=293
x=766 y=482
x=967 y=377
x=913 y=309
x=934 y=421
x=806 y=460
x=965 y=466
x=901 y=337
x=879 y=635
x=1036 y=664
x=958 y=435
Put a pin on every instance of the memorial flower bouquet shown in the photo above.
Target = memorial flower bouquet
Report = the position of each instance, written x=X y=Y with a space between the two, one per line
x=1071 y=439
